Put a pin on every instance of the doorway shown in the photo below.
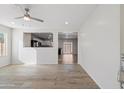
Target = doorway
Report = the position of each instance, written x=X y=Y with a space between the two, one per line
x=67 y=47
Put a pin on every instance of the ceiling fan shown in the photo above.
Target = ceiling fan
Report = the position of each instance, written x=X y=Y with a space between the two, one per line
x=27 y=16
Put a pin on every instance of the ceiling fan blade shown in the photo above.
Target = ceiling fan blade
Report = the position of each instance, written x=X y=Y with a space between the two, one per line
x=37 y=19
x=19 y=17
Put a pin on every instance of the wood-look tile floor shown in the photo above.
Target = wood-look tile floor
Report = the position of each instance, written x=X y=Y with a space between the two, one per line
x=45 y=77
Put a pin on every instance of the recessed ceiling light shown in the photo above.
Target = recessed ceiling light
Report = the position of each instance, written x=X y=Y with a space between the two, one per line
x=13 y=23
x=66 y=22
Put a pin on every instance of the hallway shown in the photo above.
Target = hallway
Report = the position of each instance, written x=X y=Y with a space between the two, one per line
x=68 y=59
x=45 y=76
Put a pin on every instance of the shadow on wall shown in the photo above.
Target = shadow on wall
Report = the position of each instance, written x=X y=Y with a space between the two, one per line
x=26 y=55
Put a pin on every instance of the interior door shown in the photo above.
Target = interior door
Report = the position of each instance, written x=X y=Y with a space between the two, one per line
x=67 y=47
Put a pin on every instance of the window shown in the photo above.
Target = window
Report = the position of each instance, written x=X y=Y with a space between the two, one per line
x=3 y=44
x=67 y=48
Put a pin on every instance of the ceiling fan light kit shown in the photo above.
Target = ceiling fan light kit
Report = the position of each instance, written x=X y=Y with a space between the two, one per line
x=26 y=18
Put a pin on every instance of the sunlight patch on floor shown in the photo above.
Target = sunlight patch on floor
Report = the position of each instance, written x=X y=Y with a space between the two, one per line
x=68 y=59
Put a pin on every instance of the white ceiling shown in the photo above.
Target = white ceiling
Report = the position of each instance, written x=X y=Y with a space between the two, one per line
x=54 y=15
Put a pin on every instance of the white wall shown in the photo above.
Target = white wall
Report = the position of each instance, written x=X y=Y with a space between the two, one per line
x=27 y=55
x=122 y=28
x=99 y=47
x=5 y=60
x=27 y=39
